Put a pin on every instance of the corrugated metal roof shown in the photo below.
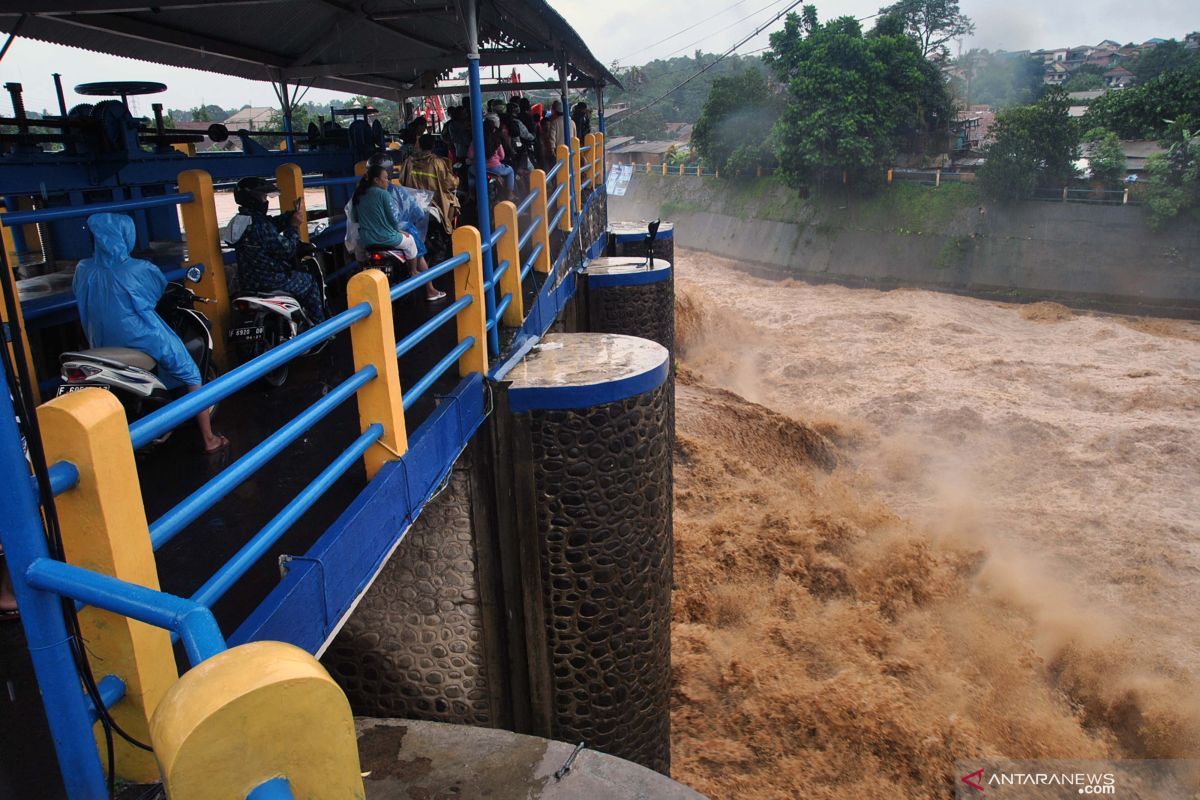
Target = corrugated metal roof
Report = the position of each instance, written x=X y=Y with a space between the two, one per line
x=377 y=47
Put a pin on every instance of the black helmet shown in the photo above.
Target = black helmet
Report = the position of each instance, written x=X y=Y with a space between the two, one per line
x=254 y=193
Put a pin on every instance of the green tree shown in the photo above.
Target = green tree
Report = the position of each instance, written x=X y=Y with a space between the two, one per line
x=1031 y=146
x=1106 y=157
x=1174 y=185
x=852 y=99
x=735 y=124
x=1168 y=56
x=1146 y=111
x=932 y=23
x=1088 y=77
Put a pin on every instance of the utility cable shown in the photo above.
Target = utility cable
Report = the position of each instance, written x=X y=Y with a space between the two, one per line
x=684 y=30
x=705 y=69
x=687 y=47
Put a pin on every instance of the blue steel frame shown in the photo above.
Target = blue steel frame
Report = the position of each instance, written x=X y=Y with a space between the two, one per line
x=483 y=207
x=335 y=571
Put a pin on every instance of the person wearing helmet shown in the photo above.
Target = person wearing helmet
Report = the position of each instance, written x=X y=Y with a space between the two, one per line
x=266 y=247
x=117 y=295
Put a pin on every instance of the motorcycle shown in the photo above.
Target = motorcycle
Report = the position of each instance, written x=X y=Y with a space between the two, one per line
x=391 y=263
x=129 y=374
x=263 y=320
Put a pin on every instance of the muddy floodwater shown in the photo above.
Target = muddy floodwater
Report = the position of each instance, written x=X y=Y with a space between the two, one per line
x=913 y=528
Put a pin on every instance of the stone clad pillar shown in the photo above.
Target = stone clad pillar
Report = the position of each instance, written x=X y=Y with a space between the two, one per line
x=629 y=239
x=590 y=414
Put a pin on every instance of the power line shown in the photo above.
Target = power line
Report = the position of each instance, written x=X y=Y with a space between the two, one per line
x=685 y=30
x=716 y=33
x=718 y=60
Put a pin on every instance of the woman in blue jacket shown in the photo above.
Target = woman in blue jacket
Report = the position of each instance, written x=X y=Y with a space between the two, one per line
x=117 y=295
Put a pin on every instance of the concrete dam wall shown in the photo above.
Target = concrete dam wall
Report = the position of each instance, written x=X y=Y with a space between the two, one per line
x=946 y=238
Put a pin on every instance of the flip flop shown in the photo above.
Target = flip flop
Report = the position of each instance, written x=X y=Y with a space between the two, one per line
x=222 y=446
x=10 y=615
x=436 y=297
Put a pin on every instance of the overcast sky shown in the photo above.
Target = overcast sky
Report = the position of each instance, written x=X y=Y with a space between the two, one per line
x=631 y=30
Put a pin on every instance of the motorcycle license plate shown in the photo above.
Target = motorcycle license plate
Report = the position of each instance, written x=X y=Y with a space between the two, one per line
x=247 y=332
x=67 y=388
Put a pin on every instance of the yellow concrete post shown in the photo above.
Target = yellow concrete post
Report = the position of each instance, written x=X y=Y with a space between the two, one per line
x=507 y=249
x=104 y=529
x=601 y=156
x=681 y=169
x=360 y=168
x=187 y=148
x=468 y=280
x=716 y=172
x=647 y=167
x=664 y=168
x=10 y=247
x=889 y=176
x=539 y=210
x=699 y=171
x=564 y=177
x=937 y=179
x=290 y=181
x=374 y=342
x=575 y=165
x=252 y=713
x=589 y=166
x=1125 y=197
x=758 y=171
x=204 y=247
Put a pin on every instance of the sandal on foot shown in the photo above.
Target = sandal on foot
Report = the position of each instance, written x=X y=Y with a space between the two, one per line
x=436 y=297
x=224 y=444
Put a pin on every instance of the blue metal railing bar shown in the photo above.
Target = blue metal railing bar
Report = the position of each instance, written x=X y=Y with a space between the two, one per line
x=256 y=548
x=585 y=184
x=112 y=691
x=274 y=789
x=529 y=231
x=166 y=527
x=554 y=171
x=149 y=428
x=504 y=303
x=420 y=387
x=583 y=150
x=500 y=270
x=193 y=622
x=554 y=220
x=340 y=180
x=490 y=242
x=523 y=206
x=432 y=324
x=64 y=476
x=553 y=198
x=15 y=218
x=421 y=278
x=529 y=262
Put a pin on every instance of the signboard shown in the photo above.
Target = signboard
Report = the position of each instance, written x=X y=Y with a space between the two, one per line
x=618 y=179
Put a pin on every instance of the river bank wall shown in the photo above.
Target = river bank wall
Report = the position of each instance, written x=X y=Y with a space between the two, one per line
x=945 y=238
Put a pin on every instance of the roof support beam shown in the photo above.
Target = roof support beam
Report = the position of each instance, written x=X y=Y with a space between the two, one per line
x=383 y=66
x=52 y=7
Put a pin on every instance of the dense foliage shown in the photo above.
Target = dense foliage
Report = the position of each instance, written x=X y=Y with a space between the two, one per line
x=852 y=99
x=1147 y=111
x=1165 y=57
x=1032 y=146
x=733 y=132
x=646 y=83
x=1174 y=185
x=1106 y=157
x=932 y=23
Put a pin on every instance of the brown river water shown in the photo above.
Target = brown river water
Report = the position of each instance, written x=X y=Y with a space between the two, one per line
x=914 y=527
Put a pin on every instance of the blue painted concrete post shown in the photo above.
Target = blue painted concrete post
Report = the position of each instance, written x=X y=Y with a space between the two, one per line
x=482 y=206
x=600 y=106
x=24 y=541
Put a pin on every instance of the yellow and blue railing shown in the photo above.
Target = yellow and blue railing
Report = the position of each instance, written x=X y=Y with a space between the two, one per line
x=107 y=570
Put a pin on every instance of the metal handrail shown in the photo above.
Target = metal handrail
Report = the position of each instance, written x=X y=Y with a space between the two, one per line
x=253 y=550
x=67 y=299
x=499 y=271
x=533 y=256
x=420 y=387
x=529 y=231
x=554 y=220
x=169 y=417
x=524 y=204
x=432 y=324
x=504 y=303
x=187 y=511
x=554 y=170
x=585 y=184
x=407 y=285
x=553 y=198
x=340 y=180
x=14 y=218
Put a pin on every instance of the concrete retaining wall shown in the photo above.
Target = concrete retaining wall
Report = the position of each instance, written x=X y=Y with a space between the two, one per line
x=947 y=238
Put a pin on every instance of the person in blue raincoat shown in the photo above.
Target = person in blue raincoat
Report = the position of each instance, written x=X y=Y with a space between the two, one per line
x=117 y=295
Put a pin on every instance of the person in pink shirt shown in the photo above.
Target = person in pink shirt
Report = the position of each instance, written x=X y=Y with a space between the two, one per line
x=495 y=155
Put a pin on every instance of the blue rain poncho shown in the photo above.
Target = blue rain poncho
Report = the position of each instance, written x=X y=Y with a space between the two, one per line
x=116 y=296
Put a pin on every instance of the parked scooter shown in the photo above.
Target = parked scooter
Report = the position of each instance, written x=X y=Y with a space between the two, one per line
x=128 y=373
x=263 y=320
x=391 y=263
